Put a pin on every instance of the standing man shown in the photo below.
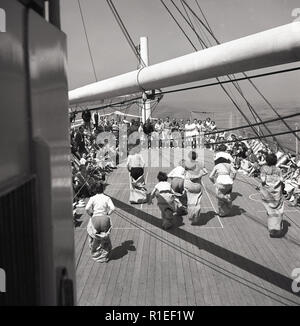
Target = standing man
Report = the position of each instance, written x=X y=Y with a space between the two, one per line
x=86 y=117
x=182 y=131
x=174 y=131
x=195 y=134
x=159 y=128
x=148 y=130
x=167 y=132
x=96 y=120
x=115 y=129
x=80 y=142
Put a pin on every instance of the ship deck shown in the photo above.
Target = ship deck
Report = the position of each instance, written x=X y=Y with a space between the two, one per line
x=223 y=261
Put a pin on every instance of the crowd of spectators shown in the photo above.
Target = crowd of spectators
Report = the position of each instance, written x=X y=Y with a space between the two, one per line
x=94 y=159
x=248 y=157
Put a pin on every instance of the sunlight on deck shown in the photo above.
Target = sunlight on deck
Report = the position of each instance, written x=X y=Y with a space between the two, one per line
x=228 y=261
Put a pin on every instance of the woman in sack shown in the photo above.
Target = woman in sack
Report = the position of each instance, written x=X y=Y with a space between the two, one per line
x=271 y=191
x=166 y=200
x=136 y=167
x=99 y=207
x=193 y=185
x=176 y=178
x=223 y=176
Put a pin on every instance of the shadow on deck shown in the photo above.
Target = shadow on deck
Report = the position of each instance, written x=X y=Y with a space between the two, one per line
x=281 y=281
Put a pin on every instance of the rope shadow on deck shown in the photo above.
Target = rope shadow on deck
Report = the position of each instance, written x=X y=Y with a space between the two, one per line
x=266 y=274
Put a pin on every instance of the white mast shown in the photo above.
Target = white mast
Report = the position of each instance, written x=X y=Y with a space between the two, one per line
x=144 y=52
x=273 y=47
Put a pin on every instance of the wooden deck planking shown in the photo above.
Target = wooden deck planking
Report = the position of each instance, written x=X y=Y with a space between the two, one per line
x=158 y=284
x=116 y=281
x=114 y=266
x=188 y=276
x=96 y=283
x=134 y=288
x=159 y=274
x=252 y=283
x=94 y=279
x=151 y=276
x=111 y=269
x=124 y=292
x=254 y=242
x=182 y=300
x=166 y=282
x=237 y=291
x=143 y=275
x=174 y=288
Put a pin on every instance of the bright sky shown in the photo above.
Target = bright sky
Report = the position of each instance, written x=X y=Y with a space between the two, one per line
x=229 y=19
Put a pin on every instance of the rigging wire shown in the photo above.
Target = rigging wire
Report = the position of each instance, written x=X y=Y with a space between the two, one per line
x=253 y=85
x=251 y=109
x=235 y=85
x=230 y=81
x=254 y=124
x=197 y=87
x=238 y=88
x=125 y=32
x=114 y=104
x=88 y=42
x=194 y=47
x=192 y=26
x=202 y=13
x=177 y=23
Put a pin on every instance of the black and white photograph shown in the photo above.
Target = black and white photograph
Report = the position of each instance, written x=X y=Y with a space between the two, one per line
x=149 y=155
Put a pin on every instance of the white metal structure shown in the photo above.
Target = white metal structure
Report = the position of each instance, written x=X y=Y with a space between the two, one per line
x=273 y=47
x=144 y=52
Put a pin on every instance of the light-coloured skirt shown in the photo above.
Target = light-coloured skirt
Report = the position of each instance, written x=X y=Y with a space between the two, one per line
x=99 y=243
x=194 y=195
x=273 y=202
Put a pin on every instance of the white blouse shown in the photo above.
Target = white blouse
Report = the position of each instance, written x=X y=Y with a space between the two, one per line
x=100 y=205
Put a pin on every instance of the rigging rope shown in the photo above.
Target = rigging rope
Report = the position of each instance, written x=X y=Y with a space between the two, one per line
x=254 y=124
x=253 y=85
x=238 y=88
x=251 y=109
x=230 y=81
x=88 y=42
x=125 y=31
x=219 y=81
x=252 y=138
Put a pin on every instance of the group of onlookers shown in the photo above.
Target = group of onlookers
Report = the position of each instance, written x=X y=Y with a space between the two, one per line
x=91 y=163
x=102 y=156
x=180 y=191
x=154 y=132
x=250 y=157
